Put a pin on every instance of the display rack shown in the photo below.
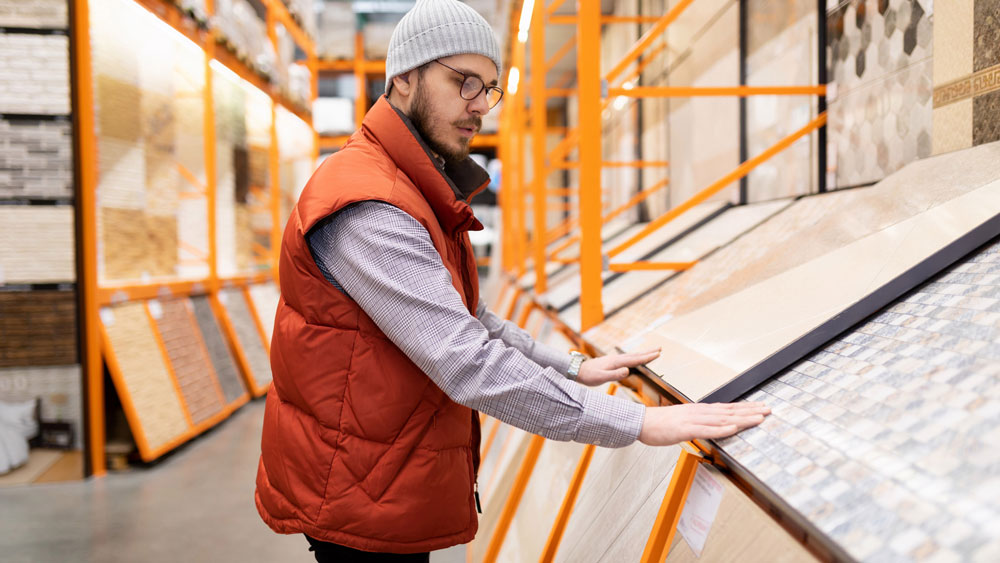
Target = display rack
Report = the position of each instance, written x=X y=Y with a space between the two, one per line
x=233 y=337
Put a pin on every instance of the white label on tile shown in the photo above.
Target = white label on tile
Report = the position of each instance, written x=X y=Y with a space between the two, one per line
x=155 y=309
x=699 y=510
x=107 y=316
x=223 y=298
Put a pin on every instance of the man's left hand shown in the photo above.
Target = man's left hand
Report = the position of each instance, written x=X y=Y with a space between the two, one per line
x=613 y=367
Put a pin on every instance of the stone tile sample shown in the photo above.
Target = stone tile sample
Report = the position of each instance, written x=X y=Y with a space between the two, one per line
x=226 y=371
x=38 y=14
x=36 y=159
x=885 y=438
x=34 y=74
x=145 y=378
x=247 y=334
x=188 y=358
x=38 y=328
x=265 y=297
x=772 y=319
x=37 y=244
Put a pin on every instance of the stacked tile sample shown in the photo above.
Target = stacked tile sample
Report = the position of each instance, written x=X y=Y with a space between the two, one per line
x=880 y=102
x=189 y=359
x=249 y=337
x=39 y=14
x=157 y=415
x=36 y=159
x=38 y=328
x=34 y=73
x=886 y=439
x=37 y=244
x=966 y=74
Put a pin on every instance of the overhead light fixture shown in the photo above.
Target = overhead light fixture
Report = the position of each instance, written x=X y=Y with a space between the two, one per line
x=381 y=6
x=512 y=79
x=522 y=27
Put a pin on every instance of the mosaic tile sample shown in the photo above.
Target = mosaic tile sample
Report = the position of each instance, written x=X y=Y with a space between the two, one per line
x=618 y=483
x=265 y=297
x=38 y=14
x=966 y=75
x=145 y=377
x=34 y=74
x=567 y=292
x=188 y=358
x=37 y=244
x=772 y=322
x=38 y=328
x=36 y=159
x=886 y=438
x=528 y=532
x=247 y=334
x=226 y=371
x=718 y=231
x=880 y=107
x=59 y=388
x=781 y=43
x=714 y=274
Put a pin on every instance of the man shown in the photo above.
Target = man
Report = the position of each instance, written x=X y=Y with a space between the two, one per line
x=382 y=350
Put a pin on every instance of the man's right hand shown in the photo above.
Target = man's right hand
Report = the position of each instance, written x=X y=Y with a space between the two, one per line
x=665 y=426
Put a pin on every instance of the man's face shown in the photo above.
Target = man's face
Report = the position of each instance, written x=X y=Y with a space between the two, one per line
x=445 y=120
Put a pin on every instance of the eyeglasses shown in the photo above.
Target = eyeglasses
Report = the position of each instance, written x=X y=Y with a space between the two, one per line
x=472 y=86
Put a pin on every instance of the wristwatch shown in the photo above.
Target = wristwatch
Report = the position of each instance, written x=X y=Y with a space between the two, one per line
x=576 y=360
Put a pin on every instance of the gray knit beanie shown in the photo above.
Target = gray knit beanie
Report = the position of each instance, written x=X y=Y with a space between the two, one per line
x=434 y=29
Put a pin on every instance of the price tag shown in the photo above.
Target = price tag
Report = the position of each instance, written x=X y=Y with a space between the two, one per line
x=700 y=509
x=155 y=309
x=107 y=316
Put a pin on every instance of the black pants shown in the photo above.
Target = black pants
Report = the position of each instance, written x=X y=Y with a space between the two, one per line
x=326 y=552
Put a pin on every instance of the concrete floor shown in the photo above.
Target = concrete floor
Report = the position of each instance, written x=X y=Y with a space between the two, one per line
x=196 y=505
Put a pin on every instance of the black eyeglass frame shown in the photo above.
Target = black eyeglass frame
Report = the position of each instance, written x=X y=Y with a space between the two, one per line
x=482 y=86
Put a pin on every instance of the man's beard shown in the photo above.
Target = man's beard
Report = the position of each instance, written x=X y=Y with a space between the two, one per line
x=420 y=115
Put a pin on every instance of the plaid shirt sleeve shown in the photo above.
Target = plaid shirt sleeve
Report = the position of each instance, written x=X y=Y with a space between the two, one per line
x=384 y=260
x=516 y=337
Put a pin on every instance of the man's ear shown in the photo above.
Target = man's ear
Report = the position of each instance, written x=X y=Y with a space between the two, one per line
x=402 y=83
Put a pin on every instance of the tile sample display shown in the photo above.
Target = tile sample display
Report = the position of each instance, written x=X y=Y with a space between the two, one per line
x=966 y=75
x=36 y=159
x=715 y=274
x=37 y=244
x=719 y=230
x=494 y=494
x=557 y=273
x=265 y=297
x=35 y=77
x=886 y=438
x=188 y=358
x=228 y=375
x=156 y=414
x=38 y=14
x=567 y=292
x=774 y=322
x=618 y=484
x=540 y=503
x=38 y=328
x=880 y=105
x=248 y=335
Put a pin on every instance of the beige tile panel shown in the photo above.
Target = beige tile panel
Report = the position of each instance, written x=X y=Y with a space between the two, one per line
x=145 y=377
x=121 y=173
x=952 y=127
x=247 y=334
x=494 y=493
x=701 y=354
x=265 y=297
x=953 y=40
x=137 y=245
x=37 y=244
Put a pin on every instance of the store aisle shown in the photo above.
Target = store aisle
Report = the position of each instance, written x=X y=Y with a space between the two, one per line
x=195 y=505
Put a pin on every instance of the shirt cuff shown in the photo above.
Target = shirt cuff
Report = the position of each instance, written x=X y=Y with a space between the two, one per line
x=548 y=356
x=609 y=421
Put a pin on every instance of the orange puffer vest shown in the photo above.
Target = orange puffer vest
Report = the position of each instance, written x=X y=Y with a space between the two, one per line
x=359 y=446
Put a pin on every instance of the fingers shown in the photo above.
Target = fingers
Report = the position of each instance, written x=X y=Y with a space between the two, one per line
x=634 y=359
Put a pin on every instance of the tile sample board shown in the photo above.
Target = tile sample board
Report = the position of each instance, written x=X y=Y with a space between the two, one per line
x=715 y=271
x=233 y=388
x=249 y=338
x=493 y=492
x=188 y=357
x=265 y=297
x=886 y=439
x=621 y=289
x=144 y=382
x=540 y=504
x=618 y=483
x=38 y=328
x=938 y=212
x=567 y=293
x=37 y=244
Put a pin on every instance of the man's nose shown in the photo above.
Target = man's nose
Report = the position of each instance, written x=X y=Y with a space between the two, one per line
x=479 y=105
